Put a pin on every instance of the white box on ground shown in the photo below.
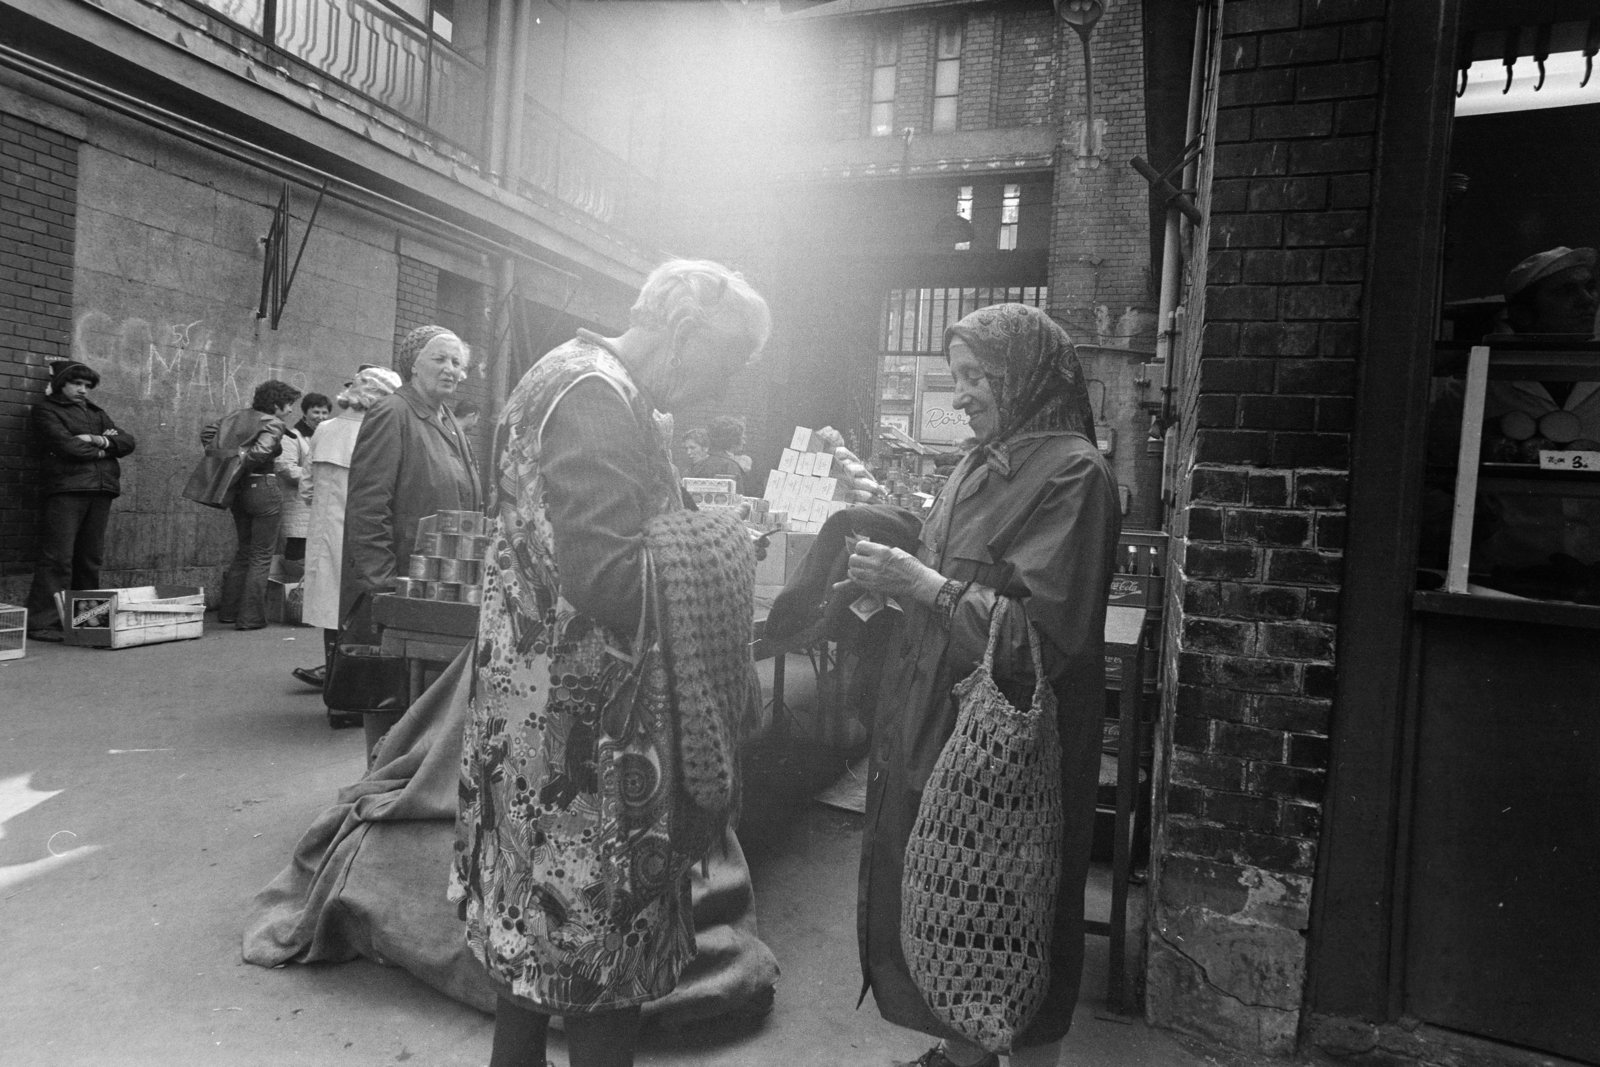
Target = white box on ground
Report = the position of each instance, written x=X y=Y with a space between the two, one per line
x=787 y=461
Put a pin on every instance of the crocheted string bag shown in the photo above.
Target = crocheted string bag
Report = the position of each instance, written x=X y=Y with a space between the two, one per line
x=978 y=896
x=704 y=569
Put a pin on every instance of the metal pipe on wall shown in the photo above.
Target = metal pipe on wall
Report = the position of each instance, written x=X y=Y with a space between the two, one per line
x=517 y=111
x=1172 y=248
x=495 y=134
x=505 y=283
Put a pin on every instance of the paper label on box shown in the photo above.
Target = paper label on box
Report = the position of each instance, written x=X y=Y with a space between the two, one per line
x=801 y=439
x=787 y=461
x=802 y=466
x=1568 y=461
x=821 y=463
x=774 y=485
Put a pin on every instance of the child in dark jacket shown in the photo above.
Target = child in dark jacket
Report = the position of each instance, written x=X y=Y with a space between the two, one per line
x=81 y=446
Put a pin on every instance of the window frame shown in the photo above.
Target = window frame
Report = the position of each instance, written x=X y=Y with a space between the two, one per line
x=941 y=63
x=885 y=37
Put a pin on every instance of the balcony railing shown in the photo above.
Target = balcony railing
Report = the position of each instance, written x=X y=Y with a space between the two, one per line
x=377 y=52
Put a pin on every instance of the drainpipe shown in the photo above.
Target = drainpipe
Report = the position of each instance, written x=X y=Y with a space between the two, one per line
x=516 y=119
x=494 y=152
x=1172 y=247
x=505 y=283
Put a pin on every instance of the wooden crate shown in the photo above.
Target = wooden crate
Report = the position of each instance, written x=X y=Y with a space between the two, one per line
x=13 y=631
x=123 y=618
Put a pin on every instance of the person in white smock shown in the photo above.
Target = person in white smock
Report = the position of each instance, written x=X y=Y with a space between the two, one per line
x=325 y=484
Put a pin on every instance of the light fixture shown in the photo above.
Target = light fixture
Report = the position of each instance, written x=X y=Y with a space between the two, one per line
x=1082 y=15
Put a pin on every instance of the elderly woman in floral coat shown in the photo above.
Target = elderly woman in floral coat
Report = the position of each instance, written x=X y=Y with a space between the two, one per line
x=569 y=873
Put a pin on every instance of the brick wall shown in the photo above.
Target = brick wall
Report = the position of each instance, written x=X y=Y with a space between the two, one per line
x=1260 y=532
x=1100 y=282
x=1027 y=40
x=38 y=211
x=980 y=70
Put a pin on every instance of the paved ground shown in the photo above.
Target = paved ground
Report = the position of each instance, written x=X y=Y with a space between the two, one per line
x=182 y=776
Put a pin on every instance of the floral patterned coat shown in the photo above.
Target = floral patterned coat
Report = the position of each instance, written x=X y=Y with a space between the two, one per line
x=565 y=871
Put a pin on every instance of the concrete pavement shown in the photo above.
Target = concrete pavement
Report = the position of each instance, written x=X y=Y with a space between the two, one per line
x=183 y=774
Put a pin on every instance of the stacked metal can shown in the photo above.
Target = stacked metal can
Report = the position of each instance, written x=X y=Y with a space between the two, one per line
x=447 y=563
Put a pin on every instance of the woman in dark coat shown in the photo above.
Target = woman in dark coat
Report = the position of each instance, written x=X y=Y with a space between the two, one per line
x=411 y=460
x=82 y=477
x=257 y=432
x=1030 y=514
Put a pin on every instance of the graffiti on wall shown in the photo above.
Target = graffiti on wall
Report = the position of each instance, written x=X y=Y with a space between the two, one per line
x=187 y=372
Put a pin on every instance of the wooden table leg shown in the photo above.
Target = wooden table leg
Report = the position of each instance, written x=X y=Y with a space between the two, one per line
x=1128 y=741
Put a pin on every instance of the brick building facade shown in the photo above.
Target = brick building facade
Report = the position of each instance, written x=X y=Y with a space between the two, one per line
x=1259 y=528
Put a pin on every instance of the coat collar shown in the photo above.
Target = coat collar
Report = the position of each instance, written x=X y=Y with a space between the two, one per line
x=61 y=401
x=438 y=419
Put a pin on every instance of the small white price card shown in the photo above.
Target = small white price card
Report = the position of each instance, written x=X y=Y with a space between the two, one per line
x=1569 y=461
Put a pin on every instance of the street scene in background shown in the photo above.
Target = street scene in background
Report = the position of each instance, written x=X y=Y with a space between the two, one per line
x=903 y=533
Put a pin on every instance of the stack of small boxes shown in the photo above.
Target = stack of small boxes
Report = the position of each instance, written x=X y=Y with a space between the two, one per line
x=722 y=494
x=804 y=489
x=448 y=562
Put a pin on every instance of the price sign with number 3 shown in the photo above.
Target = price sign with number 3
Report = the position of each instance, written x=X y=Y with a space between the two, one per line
x=1569 y=461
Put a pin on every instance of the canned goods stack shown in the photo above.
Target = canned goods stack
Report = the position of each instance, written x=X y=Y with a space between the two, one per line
x=448 y=562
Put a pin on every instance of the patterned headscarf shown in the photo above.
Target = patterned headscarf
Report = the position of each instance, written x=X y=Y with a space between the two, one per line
x=411 y=346
x=1033 y=371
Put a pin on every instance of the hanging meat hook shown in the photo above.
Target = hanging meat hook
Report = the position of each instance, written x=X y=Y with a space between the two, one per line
x=1591 y=45
x=1541 y=52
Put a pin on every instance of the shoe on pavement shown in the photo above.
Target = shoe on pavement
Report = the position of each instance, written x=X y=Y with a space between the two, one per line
x=51 y=634
x=935 y=1057
x=312 y=676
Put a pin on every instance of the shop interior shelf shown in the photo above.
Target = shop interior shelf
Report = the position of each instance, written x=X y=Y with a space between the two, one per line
x=1535 y=361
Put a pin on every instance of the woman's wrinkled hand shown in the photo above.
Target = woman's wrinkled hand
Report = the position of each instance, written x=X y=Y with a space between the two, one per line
x=893 y=572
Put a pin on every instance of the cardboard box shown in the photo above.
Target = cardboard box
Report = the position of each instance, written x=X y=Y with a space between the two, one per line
x=123 y=618
x=787 y=461
x=802 y=466
x=822 y=464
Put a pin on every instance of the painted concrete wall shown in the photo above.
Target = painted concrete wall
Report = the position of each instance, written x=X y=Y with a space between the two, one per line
x=167 y=282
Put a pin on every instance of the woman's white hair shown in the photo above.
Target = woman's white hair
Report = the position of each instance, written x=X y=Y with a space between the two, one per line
x=703 y=292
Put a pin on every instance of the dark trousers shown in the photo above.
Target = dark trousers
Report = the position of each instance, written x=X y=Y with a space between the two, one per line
x=72 y=544
x=244 y=584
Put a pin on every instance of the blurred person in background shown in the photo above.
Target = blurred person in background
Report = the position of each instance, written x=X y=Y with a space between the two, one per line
x=81 y=446
x=291 y=468
x=324 y=487
x=257 y=432
x=468 y=414
x=710 y=452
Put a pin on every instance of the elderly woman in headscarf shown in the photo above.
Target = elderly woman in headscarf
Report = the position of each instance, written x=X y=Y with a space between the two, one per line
x=571 y=870
x=1029 y=515
x=325 y=487
x=411 y=460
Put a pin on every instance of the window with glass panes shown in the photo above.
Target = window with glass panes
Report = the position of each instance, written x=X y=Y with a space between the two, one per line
x=1010 y=217
x=947 y=77
x=964 y=210
x=911 y=342
x=885 y=63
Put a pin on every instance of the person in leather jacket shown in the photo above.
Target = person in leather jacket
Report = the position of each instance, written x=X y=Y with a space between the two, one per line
x=81 y=446
x=257 y=431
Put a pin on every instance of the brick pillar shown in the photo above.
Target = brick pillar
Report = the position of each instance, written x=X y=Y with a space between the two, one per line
x=1260 y=528
x=38 y=220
